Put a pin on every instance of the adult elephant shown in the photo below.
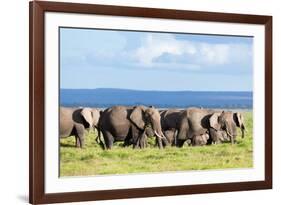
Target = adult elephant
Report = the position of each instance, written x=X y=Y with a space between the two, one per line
x=120 y=123
x=74 y=121
x=228 y=121
x=170 y=123
x=195 y=123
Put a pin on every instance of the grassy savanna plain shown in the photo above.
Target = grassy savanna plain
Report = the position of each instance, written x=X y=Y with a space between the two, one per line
x=93 y=160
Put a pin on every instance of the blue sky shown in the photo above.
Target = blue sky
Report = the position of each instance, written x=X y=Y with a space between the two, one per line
x=91 y=58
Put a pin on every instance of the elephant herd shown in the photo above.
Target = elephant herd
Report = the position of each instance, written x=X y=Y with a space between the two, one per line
x=133 y=125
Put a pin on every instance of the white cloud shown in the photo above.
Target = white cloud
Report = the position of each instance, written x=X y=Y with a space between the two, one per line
x=155 y=46
x=214 y=54
x=153 y=51
x=188 y=54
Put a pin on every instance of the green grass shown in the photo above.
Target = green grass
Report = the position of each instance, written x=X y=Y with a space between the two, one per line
x=92 y=160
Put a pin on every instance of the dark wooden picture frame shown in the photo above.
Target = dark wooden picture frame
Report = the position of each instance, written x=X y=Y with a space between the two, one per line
x=36 y=142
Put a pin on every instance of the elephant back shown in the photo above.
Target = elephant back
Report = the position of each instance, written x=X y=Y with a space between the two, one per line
x=170 y=118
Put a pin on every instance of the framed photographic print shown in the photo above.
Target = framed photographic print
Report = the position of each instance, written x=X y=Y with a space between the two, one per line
x=138 y=102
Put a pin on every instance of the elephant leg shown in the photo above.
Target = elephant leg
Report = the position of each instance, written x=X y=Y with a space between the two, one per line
x=180 y=143
x=81 y=140
x=138 y=142
x=234 y=140
x=77 y=141
x=97 y=140
x=196 y=141
x=165 y=142
x=80 y=135
x=209 y=141
x=143 y=141
x=159 y=142
x=108 y=139
x=136 y=137
x=175 y=141
x=127 y=142
x=214 y=137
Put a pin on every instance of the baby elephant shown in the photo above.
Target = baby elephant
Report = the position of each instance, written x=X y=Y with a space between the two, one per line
x=200 y=140
x=218 y=136
x=171 y=136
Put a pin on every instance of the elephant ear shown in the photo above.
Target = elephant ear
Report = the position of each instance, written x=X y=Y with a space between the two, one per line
x=87 y=114
x=137 y=117
x=238 y=119
x=96 y=116
x=214 y=121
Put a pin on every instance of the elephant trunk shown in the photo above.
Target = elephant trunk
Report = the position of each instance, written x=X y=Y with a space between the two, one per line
x=160 y=137
x=243 y=130
x=230 y=135
x=156 y=126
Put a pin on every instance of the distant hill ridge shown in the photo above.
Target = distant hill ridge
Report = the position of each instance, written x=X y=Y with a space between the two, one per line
x=107 y=97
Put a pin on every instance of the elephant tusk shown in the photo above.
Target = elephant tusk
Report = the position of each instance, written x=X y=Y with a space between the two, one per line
x=158 y=135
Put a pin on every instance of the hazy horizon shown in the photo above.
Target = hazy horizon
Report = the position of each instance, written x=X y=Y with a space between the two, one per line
x=162 y=99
